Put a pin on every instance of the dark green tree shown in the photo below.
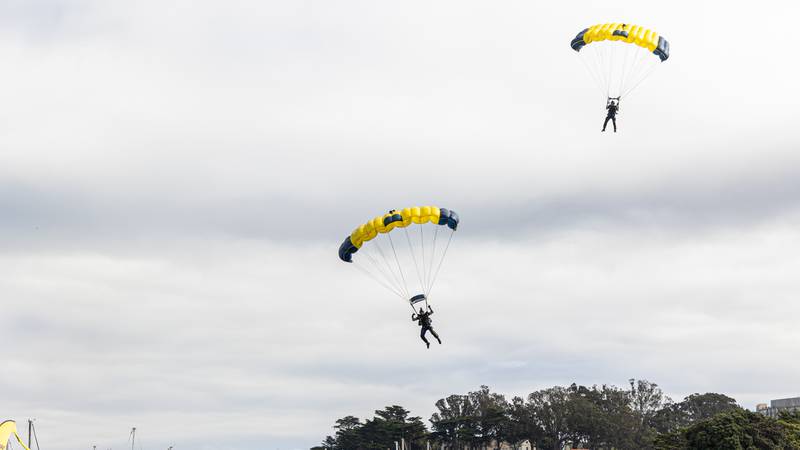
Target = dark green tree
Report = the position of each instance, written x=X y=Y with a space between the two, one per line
x=691 y=410
x=347 y=433
x=453 y=424
x=522 y=424
x=602 y=417
x=647 y=400
x=550 y=410
x=490 y=419
x=738 y=430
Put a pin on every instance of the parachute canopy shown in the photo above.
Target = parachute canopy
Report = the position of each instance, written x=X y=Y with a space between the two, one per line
x=398 y=245
x=620 y=56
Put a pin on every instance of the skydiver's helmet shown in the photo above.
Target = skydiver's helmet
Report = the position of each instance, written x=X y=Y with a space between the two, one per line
x=421 y=311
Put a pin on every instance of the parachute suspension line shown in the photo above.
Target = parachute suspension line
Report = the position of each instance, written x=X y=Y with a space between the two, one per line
x=388 y=265
x=591 y=72
x=630 y=71
x=378 y=280
x=644 y=77
x=389 y=276
x=386 y=281
x=414 y=258
x=433 y=261
x=441 y=261
x=422 y=246
x=633 y=74
x=397 y=261
x=610 y=69
x=604 y=58
x=597 y=58
x=624 y=66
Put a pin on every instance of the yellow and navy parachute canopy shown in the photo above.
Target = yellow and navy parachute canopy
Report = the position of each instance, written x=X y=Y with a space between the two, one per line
x=392 y=220
x=624 y=33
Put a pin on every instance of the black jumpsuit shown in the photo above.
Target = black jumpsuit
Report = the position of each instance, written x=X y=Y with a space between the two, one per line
x=424 y=320
x=612 y=116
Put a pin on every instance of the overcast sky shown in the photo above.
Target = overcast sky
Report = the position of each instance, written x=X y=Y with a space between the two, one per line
x=176 y=178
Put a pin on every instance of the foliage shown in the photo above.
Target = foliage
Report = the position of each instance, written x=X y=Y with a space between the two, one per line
x=738 y=430
x=603 y=417
x=381 y=432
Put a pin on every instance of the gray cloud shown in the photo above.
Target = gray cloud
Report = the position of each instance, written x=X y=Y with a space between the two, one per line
x=175 y=180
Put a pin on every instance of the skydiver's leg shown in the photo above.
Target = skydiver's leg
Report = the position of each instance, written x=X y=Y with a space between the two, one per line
x=606 y=123
x=614 y=121
x=422 y=335
x=435 y=335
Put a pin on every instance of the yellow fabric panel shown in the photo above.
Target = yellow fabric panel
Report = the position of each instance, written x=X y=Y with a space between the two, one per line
x=653 y=44
x=636 y=35
x=414 y=214
x=8 y=429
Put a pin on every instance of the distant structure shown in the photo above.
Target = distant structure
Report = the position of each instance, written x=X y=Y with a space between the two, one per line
x=777 y=406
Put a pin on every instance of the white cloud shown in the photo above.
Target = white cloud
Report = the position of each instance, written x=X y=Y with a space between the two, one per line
x=175 y=181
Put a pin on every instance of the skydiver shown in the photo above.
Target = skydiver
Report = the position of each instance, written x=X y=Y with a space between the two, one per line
x=612 y=107
x=424 y=319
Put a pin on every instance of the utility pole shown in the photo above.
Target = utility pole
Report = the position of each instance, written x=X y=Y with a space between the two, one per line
x=133 y=437
x=30 y=428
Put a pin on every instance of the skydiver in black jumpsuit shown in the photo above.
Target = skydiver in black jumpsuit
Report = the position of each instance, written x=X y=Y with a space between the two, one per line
x=424 y=319
x=612 y=108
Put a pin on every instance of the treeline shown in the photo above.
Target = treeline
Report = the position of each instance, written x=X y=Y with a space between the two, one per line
x=603 y=417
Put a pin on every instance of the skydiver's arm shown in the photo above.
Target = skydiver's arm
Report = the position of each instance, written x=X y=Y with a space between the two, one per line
x=414 y=317
x=430 y=309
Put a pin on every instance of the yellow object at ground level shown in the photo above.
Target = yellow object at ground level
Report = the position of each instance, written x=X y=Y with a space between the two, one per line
x=8 y=429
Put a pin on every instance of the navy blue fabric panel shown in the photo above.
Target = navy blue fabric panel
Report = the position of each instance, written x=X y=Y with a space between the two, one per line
x=448 y=217
x=444 y=214
x=578 y=43
x=453 y=221
x=663 y=49
x=346 y=250
x=393 y=218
